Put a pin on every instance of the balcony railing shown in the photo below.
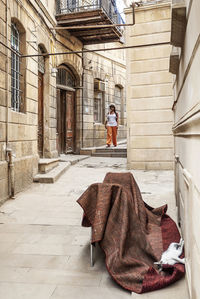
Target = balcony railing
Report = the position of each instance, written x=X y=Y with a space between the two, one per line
x=77 y=6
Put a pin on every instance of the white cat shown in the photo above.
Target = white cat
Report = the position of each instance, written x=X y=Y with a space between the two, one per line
x=171 y=255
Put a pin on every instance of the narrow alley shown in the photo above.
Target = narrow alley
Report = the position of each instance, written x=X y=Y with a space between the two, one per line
x=89 y=87
x=45 y=252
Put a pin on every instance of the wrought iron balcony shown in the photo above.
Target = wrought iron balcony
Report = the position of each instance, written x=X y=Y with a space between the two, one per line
x=80 y=17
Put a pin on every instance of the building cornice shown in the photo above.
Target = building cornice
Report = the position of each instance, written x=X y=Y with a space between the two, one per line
x=148 y=7
x=44 y=11
x=188 y=121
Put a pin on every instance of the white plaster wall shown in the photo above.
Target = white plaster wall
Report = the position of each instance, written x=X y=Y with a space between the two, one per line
x=187 y=145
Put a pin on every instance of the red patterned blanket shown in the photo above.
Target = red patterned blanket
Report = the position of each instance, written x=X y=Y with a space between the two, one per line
x=132 y=234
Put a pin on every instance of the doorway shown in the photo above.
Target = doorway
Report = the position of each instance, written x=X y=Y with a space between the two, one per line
x=41 y=74
x=65 y=122
x=70 y=122
x=40 y=114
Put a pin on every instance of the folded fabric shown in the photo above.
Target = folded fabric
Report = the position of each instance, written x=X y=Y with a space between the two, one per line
x=132 y=234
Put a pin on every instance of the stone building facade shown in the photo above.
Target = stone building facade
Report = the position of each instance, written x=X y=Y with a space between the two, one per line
x=186 y=65
x=28 y=89
x=104 y=83
x=149 y=88
x=45 y=108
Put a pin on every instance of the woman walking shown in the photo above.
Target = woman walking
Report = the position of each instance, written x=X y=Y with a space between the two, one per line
x=111 y=125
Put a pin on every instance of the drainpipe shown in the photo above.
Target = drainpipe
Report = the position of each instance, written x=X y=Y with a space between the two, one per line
x=11 y=174
x=7 y=71
x=9 y=154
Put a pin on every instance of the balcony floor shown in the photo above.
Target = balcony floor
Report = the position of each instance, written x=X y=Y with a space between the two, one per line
x=90 y=18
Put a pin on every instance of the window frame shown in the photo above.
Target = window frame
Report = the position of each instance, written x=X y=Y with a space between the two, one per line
x=119 y=103
x=99 y=109
x=16 y=91
x=69 y=74
x=41 y=60
x=98 y=95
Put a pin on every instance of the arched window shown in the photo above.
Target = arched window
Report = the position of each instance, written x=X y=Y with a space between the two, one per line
x=65 y=77
x=17 y=69
x=41 y=60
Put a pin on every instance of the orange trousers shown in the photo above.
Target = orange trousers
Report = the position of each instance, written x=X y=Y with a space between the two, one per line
x=111 y=135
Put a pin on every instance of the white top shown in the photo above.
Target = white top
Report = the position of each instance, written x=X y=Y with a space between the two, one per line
x=112 y=120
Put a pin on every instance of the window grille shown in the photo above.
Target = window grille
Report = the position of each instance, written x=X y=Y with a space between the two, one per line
x=41 y=61
x=16 y=93
x=98 y=103
x=117 y=95
x=65 y=77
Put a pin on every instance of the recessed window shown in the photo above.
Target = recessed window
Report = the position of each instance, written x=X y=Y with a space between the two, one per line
x=99 y=107
x=18 y=67
x=41 y=60
x=16 y=92
x=98 y=100
x=118 y=100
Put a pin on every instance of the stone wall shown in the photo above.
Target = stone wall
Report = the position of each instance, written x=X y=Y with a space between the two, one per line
x=187 y=144
x=3 y=104
x=109 y=67
x=149 y=89
x=18 y=130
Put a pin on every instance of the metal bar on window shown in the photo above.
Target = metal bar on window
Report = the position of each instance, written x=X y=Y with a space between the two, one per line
x=15 y=69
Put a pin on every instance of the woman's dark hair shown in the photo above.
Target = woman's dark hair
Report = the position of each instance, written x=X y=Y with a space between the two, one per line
x=114 y=110
x=113 y=107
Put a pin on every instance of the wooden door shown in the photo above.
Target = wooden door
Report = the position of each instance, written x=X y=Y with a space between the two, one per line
x=70 y=122
x=61 y=123
x=40 y=115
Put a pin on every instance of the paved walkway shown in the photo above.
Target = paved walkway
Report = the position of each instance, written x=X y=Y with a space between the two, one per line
x=44 y=251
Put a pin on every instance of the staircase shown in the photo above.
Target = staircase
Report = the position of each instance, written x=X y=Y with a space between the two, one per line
x=110 y=152
x=102 y=151
x=50 y=170
x=46 y=165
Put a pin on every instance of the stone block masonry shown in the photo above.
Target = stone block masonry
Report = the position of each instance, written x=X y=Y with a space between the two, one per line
x=110 y=68
x=149 y=89
x=19 y=129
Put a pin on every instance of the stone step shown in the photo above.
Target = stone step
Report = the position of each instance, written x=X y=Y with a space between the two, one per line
x=53 y=175
x=110 y=154
x=87 y=152
x=111 y=150
x=100 y=151
x=73 y=159
x=46 y=165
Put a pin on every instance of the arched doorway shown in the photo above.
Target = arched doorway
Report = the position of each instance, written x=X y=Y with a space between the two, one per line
x=65 y=110
x=41 y=71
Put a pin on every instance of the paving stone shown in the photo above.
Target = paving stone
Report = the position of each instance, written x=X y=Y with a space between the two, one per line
x=34 y=261
x=44 y=251
x=25 y=290
x=62 y=292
